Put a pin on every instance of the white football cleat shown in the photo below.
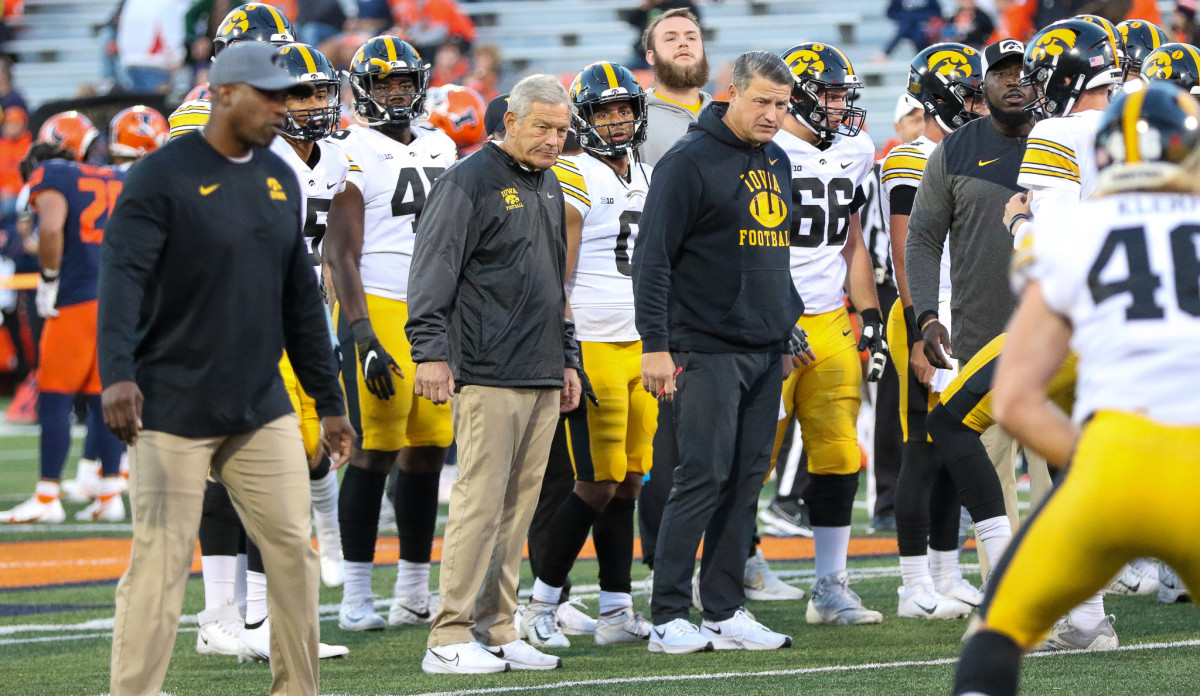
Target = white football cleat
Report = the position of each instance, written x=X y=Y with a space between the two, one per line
x=572 y=621
x=522 y=656
x=678 y=637
x=921 y=601
x=960 y=589
x=103 y=510
x=762 y=584
x=1170 y=587
x=1138 y=577
x=410 y=611
x=625 y=626
x=220 y=629
x=833 y=602
x=360 y=616
x=333 y=572
x=1065 y=636
x=36 y=510
x=82 y=488
x=255 y=645
x=462 y=658
x=539 y=625
x=740 y=632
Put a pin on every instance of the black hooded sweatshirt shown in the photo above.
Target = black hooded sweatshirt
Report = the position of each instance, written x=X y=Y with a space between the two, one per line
x=711 y=264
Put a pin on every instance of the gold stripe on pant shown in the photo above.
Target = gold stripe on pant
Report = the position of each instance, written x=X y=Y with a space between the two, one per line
x=266 y=473
x=504 y=437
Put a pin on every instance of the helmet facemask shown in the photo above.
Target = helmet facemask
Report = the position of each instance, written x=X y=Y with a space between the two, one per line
x=374 y=101
x=590 y=138
x=317 y=122
x=810 y=105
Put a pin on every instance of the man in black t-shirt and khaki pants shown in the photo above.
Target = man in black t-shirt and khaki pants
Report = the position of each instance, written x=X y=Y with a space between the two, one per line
x=205 y=279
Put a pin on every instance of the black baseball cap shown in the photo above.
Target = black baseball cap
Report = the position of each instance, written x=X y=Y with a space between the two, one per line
x=1000 y=51
x=493 y=118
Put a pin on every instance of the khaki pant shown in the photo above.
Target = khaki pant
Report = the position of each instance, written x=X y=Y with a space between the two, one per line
x=504 y=440
x=1002 y=450
x=267 y=476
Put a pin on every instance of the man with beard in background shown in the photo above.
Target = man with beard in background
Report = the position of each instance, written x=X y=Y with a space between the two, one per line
x=674 y=48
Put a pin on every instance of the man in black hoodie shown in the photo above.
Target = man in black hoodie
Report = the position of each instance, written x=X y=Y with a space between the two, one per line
x=714 y=297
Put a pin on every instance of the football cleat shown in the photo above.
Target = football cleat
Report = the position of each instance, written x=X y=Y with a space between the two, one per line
x=678 y=637
x=1138 y=577
x=741 y=632
x=1170 y=588
x=254 y=644
x=82 y=488
x=360 y=616
x=1065 y=636
x=626 y=626
x=833 y=602
x=333 y=572
x=462 y=658
x=962 y=590
x=220 y=629
x=572 y=621
x=103 y=509
x=786 y=518
x=38 y=509
x=410 y=611
x=921 y=601
x=762 y=584
x=540 y=627
x=522 y=656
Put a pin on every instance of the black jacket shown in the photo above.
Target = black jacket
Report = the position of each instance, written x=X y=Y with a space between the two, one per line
x=711 y=264
x=486 y=283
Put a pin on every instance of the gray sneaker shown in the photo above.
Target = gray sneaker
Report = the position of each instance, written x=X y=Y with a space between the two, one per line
x=833 y=602
x=1065 y=636
x=1170 y=587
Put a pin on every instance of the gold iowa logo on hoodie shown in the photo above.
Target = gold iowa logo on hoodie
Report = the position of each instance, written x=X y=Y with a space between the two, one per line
x=768 y=209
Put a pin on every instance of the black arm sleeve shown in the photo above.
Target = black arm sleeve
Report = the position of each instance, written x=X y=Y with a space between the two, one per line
x=860 y=199
x=901 y=199
x=133 y=239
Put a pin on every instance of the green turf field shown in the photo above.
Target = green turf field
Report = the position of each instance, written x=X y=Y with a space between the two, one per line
x=54 y=641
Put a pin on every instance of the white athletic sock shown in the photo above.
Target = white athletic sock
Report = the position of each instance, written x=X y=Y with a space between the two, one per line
x=914 y=570
x=1089 y=614
x=256 y=597
x=239 y=583
x=832 y=544
x=109 y=486
x=412 y=579
x=943 y=566
x=358 y=581
x=613 y=602
x=545 y=593
x=47 y=489
x=325 y=513
x=994 y=533
x=219 y=573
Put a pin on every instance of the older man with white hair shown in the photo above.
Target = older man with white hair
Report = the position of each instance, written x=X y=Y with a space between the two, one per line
x=488 y=329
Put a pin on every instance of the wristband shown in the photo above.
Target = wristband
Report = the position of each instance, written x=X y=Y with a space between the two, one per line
x=910 y=320
x=1015 y=219
x=49 y=276
x=871 y=315
x=927 y=318
x=362 y=331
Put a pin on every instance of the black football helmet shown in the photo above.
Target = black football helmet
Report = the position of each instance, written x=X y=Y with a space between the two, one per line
x=256 y=21
x=1066 y=58
x=604 y=83
x=816 y=68
x=1147 y=139
x=1174 y=62
x=311 y=67
x=944 y=78
x=1138 y=39
x=384 y=57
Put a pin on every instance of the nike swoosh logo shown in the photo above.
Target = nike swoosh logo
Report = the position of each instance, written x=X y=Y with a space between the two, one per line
x=433 y=156
x=847 y=165
x=367 y=362
x=772 y=161
x=418 y=614
x=329 y=186
x=1132 y=588
x=927 y=610
x=449 y=662
x=847 y=333
x=498 y=652
x=714 y=629
x=984 y=164
x=660 y=634
x=205 y=190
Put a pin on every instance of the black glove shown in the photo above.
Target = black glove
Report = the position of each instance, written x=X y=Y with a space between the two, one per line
x=873 y=340
x=377 y=365
x=798 y=341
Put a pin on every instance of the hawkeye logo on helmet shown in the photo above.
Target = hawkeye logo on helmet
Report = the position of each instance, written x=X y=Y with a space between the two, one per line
x=1159 y=65
x=806 y=61
x=1054 y=43
x=951 y=63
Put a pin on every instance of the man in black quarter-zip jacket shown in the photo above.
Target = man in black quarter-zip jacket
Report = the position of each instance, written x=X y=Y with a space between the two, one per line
x=714 y=297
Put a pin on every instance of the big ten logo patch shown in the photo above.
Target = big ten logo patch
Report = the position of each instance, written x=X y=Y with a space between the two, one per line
x=511 y=200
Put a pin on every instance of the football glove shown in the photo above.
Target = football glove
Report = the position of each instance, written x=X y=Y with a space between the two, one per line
x=47 y=294
x=377 y=366
x=798 y=342
x=873 y=340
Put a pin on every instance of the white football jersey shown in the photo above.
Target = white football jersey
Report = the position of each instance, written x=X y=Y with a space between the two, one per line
x=395 y=181
x=824 y=183
x=319 y=184
x=905 y=166
x=601 y=289
x=1123 y=270
x=190 y=116
x=1060 y=161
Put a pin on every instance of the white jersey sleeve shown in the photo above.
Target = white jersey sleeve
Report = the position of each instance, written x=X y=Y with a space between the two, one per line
x=1059 y=163
x=190 y=116
x=574 y=186
x=1122 y=269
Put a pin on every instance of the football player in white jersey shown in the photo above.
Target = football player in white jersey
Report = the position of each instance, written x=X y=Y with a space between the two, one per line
x=609 y=441
x=831 y=156
x=400 y=160
x=946 y=79
x=1073 y=66
x=1114 y=279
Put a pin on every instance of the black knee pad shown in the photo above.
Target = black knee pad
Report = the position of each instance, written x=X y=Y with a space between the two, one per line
x=830 y=499
x=221 y=530
x=966 y=459
x=990 y=664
